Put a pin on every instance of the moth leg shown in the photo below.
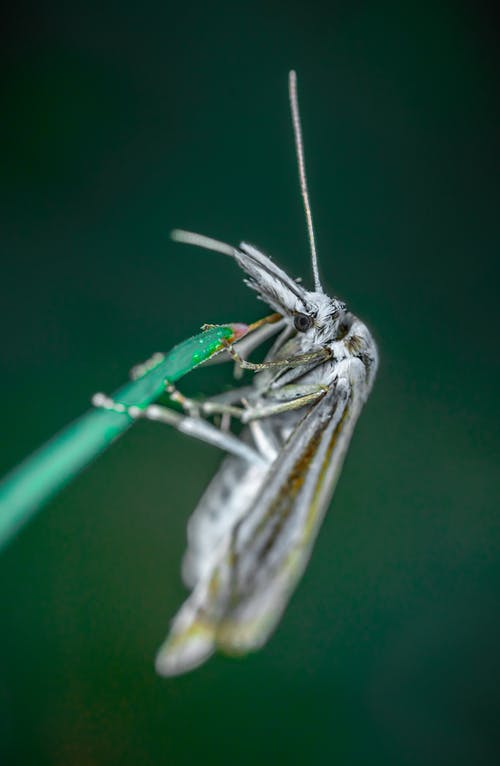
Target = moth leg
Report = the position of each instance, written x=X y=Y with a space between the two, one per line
x=292 y=361
x=229 y=397
x=290 y=397
x=296 y=391
x=203 y=430
x=225 y=423
x=192 y=426
x=264 y=440
x=205 y=407
x=264 y=329
x=275 y=408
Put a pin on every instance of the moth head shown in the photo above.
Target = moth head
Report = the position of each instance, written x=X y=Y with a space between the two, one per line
x=311 y=313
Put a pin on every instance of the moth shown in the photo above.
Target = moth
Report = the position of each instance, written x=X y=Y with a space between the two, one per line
x=251 y=535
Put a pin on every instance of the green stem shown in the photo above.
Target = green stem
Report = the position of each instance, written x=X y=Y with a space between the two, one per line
x=36 y=480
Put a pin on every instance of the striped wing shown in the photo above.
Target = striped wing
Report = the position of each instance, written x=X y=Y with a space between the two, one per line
x=238 y=605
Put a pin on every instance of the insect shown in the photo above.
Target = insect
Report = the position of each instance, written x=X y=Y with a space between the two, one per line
x=251 y=535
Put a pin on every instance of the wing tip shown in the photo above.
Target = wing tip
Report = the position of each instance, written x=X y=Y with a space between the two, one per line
x=185 y=650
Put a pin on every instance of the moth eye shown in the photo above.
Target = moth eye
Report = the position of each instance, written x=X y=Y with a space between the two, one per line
x=302 y=322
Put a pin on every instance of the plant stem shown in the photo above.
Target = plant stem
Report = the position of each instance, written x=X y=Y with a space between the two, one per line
x=38 y=478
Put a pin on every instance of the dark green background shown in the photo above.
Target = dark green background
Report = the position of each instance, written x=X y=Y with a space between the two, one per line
x=119 y=123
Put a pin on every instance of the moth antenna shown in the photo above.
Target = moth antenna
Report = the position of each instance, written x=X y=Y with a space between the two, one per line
x=299 y=148
x=190 y=238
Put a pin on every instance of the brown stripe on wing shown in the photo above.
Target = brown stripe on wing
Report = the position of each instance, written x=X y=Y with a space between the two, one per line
x=316 y=506
x=281 y=508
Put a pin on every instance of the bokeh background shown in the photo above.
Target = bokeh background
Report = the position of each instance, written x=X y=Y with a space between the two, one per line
x=120 y=121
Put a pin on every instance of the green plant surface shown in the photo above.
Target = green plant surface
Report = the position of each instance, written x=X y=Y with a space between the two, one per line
x=38 y=478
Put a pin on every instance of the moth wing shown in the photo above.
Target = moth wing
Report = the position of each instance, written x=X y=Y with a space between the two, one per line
x=191 y=639
x=255 y=567
x=218 y=511
x=273 y=543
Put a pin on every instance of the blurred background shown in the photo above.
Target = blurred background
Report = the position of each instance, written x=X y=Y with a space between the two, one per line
x=121 y=121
